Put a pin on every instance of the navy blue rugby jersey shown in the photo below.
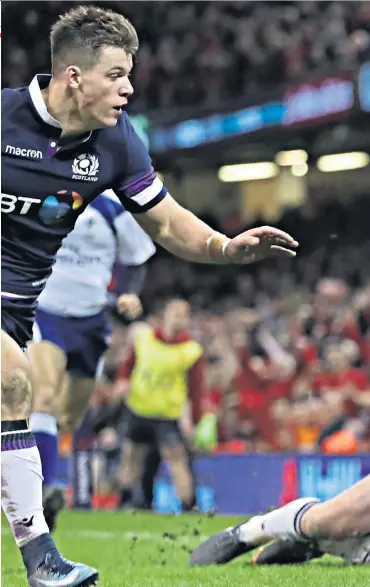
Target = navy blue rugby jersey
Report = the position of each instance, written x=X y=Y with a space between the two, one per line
x=47 y=183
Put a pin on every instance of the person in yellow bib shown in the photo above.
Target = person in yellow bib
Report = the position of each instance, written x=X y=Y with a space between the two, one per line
x=164 y=370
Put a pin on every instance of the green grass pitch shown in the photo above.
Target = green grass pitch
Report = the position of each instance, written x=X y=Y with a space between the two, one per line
x=148 y=550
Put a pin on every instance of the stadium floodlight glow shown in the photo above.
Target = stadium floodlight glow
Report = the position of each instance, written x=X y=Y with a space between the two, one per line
x=343 y=161
x=299 y=170
x=248 y=171
x=289 y=158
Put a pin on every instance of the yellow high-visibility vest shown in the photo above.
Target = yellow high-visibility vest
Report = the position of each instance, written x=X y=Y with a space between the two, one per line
x=158 y=385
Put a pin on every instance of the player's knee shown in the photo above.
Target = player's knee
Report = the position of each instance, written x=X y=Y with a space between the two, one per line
x=43 y=395
x=128 y=451
x=16 y=394
x=43 y=400
x=174 y=453
x=68 y=421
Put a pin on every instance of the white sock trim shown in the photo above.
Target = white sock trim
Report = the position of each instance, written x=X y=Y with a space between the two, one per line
x=281 y=523
x=40 y=422
x=15 y=431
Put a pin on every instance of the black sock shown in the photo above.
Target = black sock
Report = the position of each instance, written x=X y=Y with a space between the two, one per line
x=187 y=506
x=151 y=467
x=125 y=496
x=14 y=425
x=147 y=491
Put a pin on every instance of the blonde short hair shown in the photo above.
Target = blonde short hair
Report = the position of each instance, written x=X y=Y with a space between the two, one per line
x=78 y=36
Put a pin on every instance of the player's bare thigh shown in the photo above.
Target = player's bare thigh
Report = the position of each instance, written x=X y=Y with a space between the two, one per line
x=343 y=516
x=16 y=393
x=48 y=364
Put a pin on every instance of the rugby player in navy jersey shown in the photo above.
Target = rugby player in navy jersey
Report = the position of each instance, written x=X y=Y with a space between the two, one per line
x=66 y=139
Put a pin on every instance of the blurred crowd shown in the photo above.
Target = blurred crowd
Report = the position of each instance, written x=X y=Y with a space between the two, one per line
x=287 y=343
x=202 y=53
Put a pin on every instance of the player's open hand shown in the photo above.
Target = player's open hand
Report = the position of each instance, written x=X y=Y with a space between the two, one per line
x=259 y=243
x=129 y=305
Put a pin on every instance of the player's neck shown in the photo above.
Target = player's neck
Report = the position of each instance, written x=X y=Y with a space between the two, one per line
x=170 y=333
x=61 y=107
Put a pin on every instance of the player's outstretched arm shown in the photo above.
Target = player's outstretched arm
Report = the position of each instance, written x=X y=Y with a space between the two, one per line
x=183 y=234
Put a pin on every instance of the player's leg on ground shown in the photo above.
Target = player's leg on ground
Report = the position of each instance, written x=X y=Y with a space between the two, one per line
x=232 y=542
x=172 y=449
x=353 y=550
x=334 y=526
x=343 y=516
x=21 y=479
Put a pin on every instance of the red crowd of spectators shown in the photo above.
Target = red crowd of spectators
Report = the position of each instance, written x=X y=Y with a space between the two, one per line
x=287 y=344
x=294 y=395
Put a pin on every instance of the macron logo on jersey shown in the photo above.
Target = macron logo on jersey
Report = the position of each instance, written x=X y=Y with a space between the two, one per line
x=19 y=152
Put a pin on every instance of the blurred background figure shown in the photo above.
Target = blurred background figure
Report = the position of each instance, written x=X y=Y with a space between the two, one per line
x=163 y=372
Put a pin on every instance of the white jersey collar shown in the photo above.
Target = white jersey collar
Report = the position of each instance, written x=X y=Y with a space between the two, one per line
x=39 y=82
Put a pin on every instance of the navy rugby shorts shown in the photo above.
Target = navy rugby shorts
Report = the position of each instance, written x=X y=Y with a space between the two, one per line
x=83 y=340
x=17 y=318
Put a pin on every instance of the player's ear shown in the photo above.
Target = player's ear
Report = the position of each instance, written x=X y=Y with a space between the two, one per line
x=73 y=73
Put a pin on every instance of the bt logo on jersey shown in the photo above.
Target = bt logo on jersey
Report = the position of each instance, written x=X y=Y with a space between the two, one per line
x=9 y=203
x=52 y=209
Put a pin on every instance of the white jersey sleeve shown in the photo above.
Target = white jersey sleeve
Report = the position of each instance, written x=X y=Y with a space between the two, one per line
x=134 y=246
x=103 y=234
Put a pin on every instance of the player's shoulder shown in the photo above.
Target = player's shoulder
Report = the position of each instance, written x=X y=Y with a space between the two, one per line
x=8 y=94
x=124 y=125
x=11 y=97
x=122 y=144
x=137 y=331
x=194 y=346
x=118 y=134
x=124 y=141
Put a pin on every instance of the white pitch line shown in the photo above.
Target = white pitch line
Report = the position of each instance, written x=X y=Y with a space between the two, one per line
x=108 y=535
